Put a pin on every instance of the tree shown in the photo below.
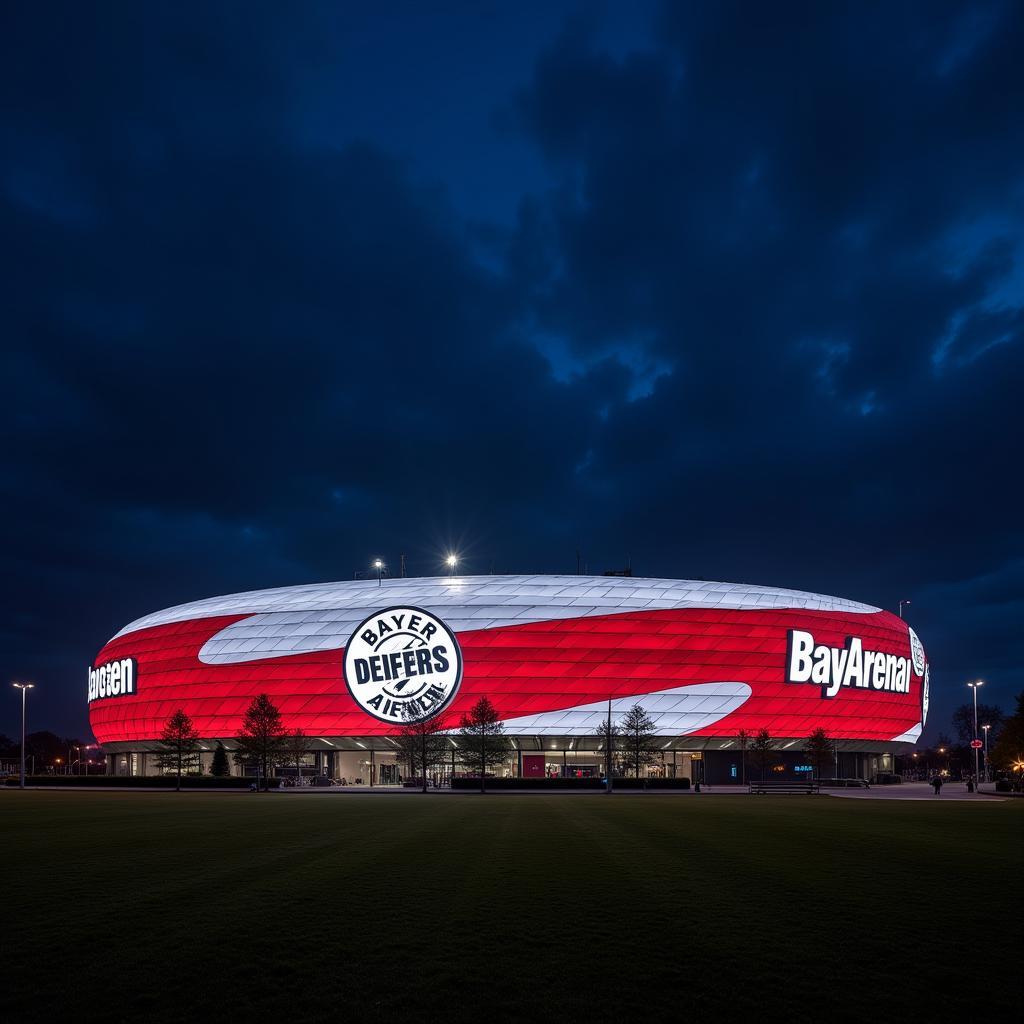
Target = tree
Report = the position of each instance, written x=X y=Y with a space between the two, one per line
x=181 y=742
x=48 y=748
x=262 y=737
x=607 y=740
x=637 y=741
x=820 y=751
x=963 y=722
x=762 y=751
x=482 y=742
x=943 y=751
x=743 y=739
x=423 y=744
x=220 y=767
x=1008 y=753
x=294 y=749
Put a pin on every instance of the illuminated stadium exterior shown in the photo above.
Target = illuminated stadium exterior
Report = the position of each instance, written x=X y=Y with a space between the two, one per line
x=344 y=662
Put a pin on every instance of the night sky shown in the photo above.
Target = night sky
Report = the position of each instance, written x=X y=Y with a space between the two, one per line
x=732 y=291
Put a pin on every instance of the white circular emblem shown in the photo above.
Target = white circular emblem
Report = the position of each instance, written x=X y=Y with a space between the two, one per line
x=916 y=652
x=403 y=665
x=924 y=697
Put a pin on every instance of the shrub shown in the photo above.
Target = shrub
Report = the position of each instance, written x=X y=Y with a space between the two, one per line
x=571 y=783
x=651 y=784
x=496 y=784
x=143 y=781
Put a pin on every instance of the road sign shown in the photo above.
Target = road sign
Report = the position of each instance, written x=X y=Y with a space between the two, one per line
x=976 y=744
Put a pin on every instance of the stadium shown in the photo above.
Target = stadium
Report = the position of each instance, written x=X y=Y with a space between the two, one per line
x=349 y=662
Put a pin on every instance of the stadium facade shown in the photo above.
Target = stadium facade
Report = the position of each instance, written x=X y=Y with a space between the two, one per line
x=348 y=662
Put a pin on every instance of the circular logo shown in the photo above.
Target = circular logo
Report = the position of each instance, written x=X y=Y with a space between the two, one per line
x=924 y=697
x=916 y=652
x=403 y=665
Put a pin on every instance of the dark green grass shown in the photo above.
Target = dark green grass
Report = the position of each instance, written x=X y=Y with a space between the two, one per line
x=143 y=906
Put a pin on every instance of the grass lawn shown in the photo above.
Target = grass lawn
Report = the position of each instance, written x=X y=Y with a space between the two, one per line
x=163 y=906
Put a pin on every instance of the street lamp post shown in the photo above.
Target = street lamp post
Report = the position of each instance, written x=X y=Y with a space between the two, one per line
x=452 y=560
x=902 y=603
x=24 y=687
x=379 y=566
x=986 y=728
x=974 y=687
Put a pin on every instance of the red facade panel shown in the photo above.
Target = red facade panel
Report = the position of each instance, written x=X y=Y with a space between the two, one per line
x=525 y=670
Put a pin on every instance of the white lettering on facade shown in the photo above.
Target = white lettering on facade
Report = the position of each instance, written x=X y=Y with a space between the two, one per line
x=113 y=679
x=832 y=668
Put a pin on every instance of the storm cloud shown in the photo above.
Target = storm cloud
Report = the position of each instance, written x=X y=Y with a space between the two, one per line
x=732 y=291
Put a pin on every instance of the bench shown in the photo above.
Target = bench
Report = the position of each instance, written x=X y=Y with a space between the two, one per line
x=783 y=787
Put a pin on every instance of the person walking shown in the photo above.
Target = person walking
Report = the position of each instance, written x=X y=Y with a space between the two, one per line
x=937 y=784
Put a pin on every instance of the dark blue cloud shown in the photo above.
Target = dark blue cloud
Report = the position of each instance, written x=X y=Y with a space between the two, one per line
x=734 y=291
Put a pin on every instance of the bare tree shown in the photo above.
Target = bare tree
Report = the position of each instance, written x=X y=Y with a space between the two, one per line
x=963 y=721
x=762 y=751
x=181 y=741
x=262 y=738
x=637 y=739
x=1008 y=753
x=820 y=751
x=743 y=739
x=295 y=748
x=607 y=741
x=422 y=744
x=482 y=742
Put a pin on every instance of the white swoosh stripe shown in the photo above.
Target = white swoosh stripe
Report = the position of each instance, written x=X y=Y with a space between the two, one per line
x=912 y=735
x=675 y=711
x=301 y=620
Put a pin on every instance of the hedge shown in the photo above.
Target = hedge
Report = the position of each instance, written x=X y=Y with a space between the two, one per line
x=651 y=784
x=531 y=783
x=145 y=781
x=571 y=783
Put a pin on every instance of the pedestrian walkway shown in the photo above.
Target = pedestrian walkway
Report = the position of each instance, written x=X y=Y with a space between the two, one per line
x=915 y=791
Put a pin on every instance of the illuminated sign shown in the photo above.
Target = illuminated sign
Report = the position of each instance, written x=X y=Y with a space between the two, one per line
x=916 y=652
x=924 y=696
x=832 y=668
x=403 y=665
x=113 y=679
x=802 y=768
